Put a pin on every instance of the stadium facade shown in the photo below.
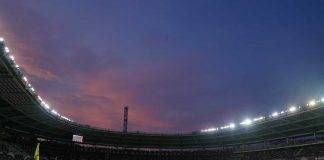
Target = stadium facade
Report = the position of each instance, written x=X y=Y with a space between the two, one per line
x=26 y=119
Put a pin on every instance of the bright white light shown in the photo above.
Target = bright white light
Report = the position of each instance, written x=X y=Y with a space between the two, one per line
x=1 y=39
x=214 y=129
x=205 y=130
x=292 y=109
x=17 y=66
x=274 y=114
x=65 y=118
x=258 y=119
x=7 y=50
x=12 y=57
x=40 y=98
x=32 y=89
x=312 y=103
x=25 y=79
x=246 y=122
x=46 y=106
x=54 y=112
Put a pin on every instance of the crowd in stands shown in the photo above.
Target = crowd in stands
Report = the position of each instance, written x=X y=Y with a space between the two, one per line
x=12 y=152
x=281 y=142
x=299 y=152
x=55 y=150
x=21 y=147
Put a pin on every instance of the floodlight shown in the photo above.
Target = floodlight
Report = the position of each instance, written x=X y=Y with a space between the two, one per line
x=292 y=109
x=246 y=122
x=1 y=39
x=40 y=98
x=65 y=118
x=274 y=114
x=12 y=57
x=232 y=125
x=7 y=50
x=46 y=106
x=258 y=119
x=312 y=103
x=322 y=99
x=54 y=112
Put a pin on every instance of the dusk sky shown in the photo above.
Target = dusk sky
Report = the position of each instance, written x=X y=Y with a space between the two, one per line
x=180 y=65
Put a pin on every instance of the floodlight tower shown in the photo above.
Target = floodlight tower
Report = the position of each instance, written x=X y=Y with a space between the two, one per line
x=125 y=119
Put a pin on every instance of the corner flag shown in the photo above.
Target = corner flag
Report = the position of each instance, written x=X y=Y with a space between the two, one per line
x=36 y=156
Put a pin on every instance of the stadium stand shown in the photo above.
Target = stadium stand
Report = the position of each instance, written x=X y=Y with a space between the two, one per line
x=26 y=119
x=20 y=146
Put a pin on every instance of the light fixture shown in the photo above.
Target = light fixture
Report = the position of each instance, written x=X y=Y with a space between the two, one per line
x=12 y=57
x=211 y=129
x=205 y=130
x=246 y=122
x=258 y=119
x=32 y=89
x=292 y=109
x=7 y=50
x=54 y=112
x=312 y=103
x=40 y=98
x=232 y=125
x=25 y=79
x=274 y=114
x=249 y=121
x=65 y=118
x=46 y=106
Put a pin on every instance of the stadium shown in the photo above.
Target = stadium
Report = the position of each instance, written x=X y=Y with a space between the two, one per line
x=296 y=132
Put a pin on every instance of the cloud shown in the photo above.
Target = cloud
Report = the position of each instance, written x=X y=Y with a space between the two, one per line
x=89 y=62
x=92 y=85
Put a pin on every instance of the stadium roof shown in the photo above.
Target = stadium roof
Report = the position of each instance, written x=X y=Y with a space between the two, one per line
x=23 y=110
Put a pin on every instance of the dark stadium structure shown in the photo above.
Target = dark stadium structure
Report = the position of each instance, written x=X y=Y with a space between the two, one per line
x=25 y=122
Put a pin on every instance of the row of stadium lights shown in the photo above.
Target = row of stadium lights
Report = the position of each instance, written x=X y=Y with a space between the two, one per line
x=248 y=122
x=29 y=87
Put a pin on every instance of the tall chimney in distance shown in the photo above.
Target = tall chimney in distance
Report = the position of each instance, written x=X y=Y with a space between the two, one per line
x=125 y=119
